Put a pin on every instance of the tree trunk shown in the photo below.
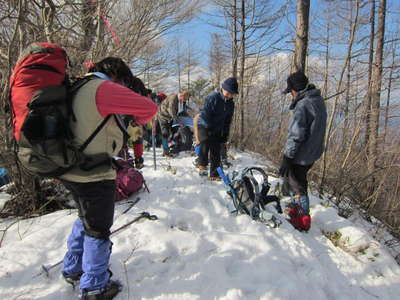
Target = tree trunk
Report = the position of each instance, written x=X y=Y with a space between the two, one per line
x=325 y=90
x=376 y=85
x=234 y=33
x=188 y=67
x=389 y=90
x=300 y=53
x=348 y=88
x=88 y=27
x=370 y=63
x=242 y=69
x=48 y=17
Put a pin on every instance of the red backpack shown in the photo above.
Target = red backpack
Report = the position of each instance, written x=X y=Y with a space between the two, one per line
x=128 y=181
x=41 y=100
x=40 y=65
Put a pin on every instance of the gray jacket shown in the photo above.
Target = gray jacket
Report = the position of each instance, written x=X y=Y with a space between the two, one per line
x=305 y=141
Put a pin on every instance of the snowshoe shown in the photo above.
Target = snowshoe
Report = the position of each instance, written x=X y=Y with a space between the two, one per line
x=107 y=293
x=72 y=279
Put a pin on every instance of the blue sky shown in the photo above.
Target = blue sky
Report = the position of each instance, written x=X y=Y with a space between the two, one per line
x=198 y=34
x=198 y=31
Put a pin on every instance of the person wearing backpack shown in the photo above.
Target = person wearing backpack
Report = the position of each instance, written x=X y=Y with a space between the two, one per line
x=304 y=145
x=168 y=113
x=89 y=245
x=212 y=126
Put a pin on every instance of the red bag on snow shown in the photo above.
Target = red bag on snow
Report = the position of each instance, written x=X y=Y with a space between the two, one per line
x=128 y=181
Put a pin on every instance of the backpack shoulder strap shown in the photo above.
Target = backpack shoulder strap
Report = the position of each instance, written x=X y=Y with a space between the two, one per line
x=94 y=133
x=72 y=90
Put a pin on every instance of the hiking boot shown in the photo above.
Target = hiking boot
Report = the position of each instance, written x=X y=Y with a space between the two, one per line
x=72 y=279
x=196 y=162
x=215 y=178
x=168 y=154
x=296 y=217
x=226 y=163
x=203 y=171
x=175 y=151
x=198 y=166
x=139 y=162
x=107 y=293
x=305 y=223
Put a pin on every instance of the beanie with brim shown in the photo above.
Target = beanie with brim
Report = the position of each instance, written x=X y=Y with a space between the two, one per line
x=231 y=85
x=296 y=81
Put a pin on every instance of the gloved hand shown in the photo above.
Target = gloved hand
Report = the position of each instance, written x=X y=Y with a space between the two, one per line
x=224 y=138
x=135 y=132
x=286 y=165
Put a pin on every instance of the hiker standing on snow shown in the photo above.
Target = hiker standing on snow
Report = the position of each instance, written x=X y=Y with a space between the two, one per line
x=168 y=114
x=135 y=131
x=89 y=246
x=304 y=144
x=213 y=126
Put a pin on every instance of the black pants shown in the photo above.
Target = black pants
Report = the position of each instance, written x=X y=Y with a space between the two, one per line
x=209 y=144
x=95 y=202
x=296 y=181
x=224 y=151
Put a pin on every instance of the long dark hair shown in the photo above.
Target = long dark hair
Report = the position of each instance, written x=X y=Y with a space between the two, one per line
x=119 y=71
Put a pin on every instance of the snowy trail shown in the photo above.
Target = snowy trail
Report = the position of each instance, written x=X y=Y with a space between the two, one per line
x=197 y=250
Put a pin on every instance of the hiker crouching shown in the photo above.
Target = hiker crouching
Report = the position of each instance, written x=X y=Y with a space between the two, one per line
x=168 y=113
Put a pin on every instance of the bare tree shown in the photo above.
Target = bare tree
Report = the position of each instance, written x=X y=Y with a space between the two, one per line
x=191 y=61
x=218 y=59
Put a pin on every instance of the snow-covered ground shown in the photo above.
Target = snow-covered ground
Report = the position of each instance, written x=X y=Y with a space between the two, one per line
x=198 y=250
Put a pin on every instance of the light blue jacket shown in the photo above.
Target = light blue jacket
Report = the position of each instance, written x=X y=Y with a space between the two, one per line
x=306 y=132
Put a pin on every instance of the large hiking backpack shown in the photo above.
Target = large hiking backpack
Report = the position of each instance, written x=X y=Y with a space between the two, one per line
x=182 y=136
x=41 y=100
x=248 y=190
x=128 y=181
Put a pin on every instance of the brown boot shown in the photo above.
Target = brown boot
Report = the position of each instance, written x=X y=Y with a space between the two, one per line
x=214 y=178
x=203 y=171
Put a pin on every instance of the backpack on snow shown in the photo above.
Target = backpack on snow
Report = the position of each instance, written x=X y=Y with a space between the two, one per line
x=41 y=99
x=248 y=190
x=129 y=180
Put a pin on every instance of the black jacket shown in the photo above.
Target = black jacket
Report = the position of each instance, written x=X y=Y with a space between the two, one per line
x=305 y=141
x=217 y=114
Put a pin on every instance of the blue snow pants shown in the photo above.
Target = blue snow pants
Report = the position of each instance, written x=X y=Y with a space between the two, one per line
x=89 y=246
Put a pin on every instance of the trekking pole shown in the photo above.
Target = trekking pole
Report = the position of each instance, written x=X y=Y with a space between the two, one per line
x=145 y=214
x=153 y=141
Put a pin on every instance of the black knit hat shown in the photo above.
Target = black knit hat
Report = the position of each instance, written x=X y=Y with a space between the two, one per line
x=296 y=81
x=231 y=85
